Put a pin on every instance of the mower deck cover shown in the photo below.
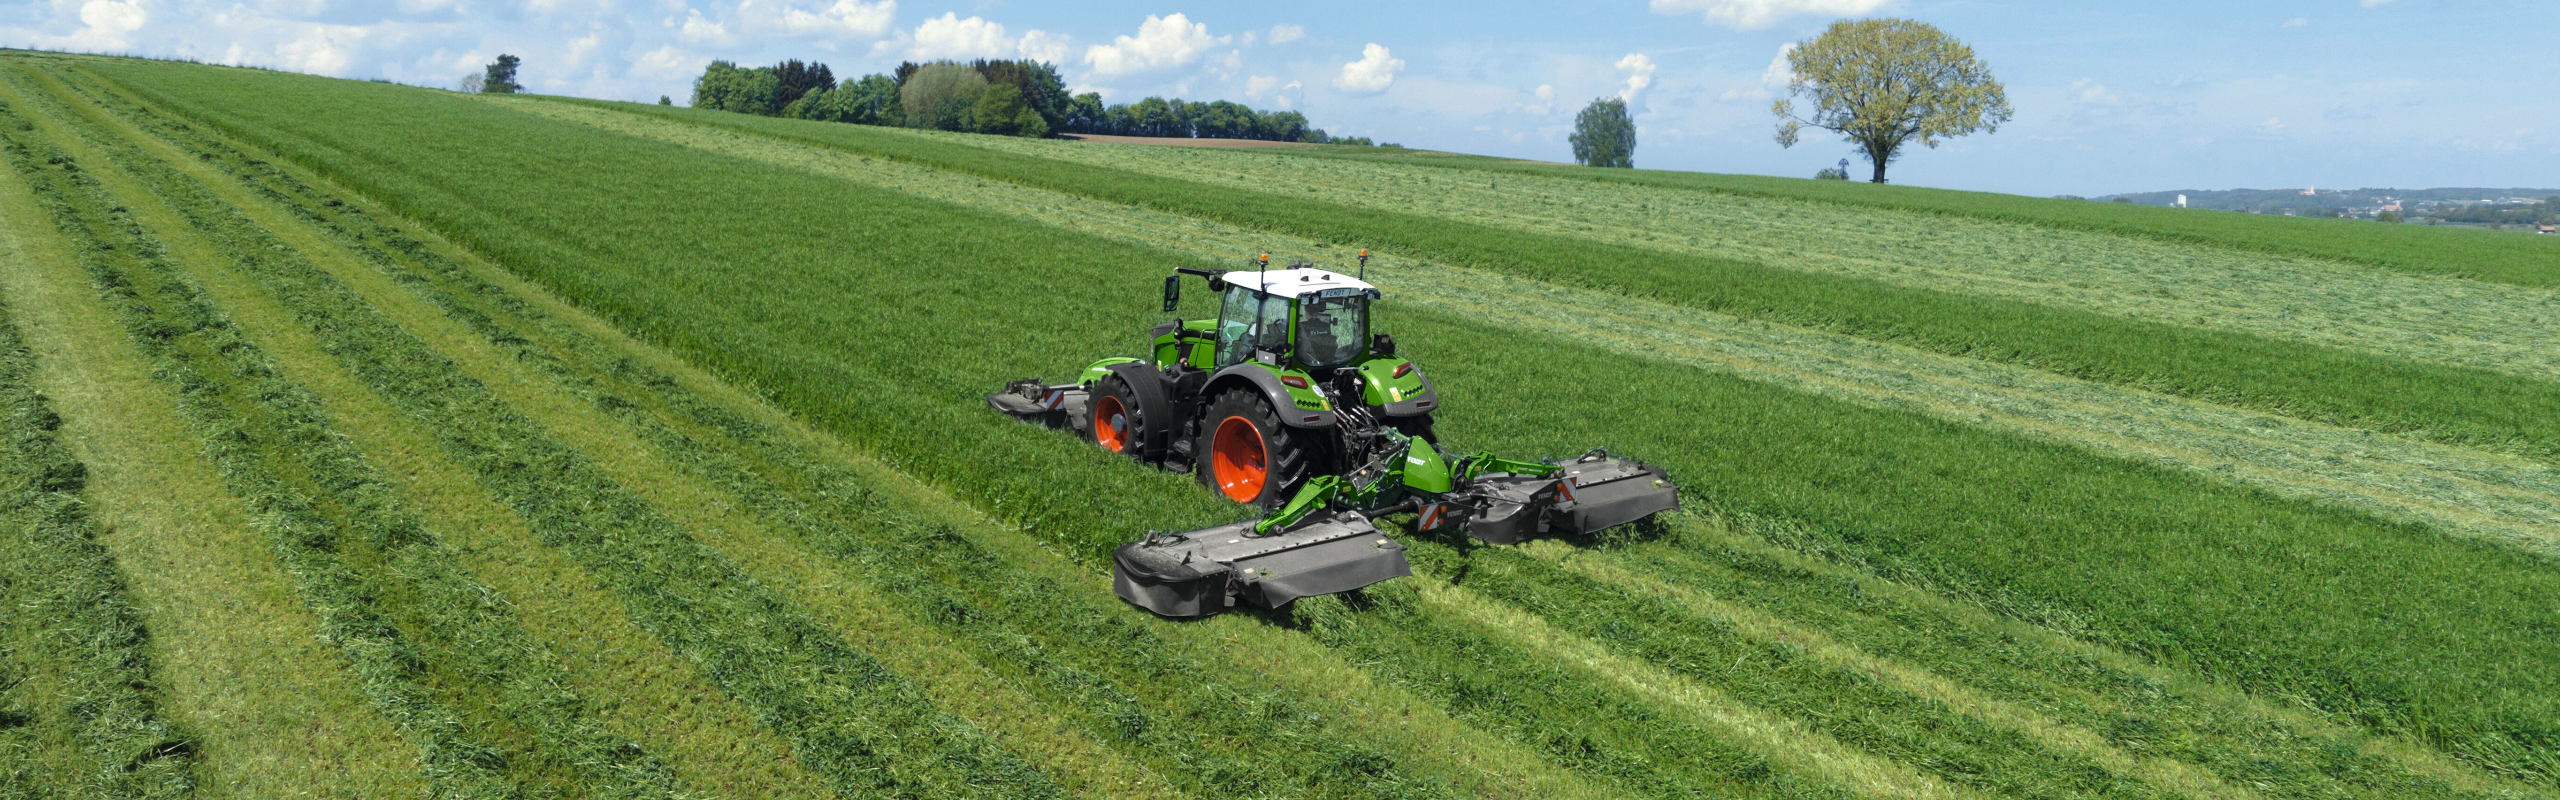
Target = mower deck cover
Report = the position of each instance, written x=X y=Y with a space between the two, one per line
x=1204 y=571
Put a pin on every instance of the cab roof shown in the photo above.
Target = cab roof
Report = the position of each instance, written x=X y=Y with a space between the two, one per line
x=1292 y=283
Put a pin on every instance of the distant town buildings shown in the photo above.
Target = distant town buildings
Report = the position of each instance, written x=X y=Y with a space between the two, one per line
x=2548 y=230
x=2182 y=202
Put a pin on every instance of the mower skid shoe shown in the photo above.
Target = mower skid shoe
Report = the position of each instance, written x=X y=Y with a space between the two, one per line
x=1598 y=493
x=1041 y=404
x=1203 y=572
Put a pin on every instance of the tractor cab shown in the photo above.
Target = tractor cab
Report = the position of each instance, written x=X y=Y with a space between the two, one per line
x=1327 y=311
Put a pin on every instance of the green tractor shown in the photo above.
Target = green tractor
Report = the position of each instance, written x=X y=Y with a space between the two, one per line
x=1288 y=401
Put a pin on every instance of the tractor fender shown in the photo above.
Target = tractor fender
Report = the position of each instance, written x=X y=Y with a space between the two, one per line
x=1418 y=403
x=1262 y=380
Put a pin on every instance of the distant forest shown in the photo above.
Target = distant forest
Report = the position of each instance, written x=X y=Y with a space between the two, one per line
x=1004 y=97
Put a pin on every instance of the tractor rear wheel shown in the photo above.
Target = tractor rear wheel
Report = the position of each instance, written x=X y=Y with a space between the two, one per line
x=1127 y=419
x=1250 y=457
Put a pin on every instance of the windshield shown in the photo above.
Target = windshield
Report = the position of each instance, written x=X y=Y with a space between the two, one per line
x=1247 y=320
x=1334 y=329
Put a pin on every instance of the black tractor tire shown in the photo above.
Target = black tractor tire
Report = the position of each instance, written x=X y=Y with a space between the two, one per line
x=1251 y=427
x=1132 y=419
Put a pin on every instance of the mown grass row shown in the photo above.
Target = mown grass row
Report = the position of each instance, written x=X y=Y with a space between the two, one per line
x=2140 y=708
x=2351 y=615
x=2428 y=319
x=454 y=634
x=2424 y=250
x=1163 y=695
x=235 y=398
x=862 y=726
x=2446 y=403
x=80 y=709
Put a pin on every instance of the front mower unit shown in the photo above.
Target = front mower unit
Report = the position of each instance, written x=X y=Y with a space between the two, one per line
x=1288 y=401
x=1206 y=571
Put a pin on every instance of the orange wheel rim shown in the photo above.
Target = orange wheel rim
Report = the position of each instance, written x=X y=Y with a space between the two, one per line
x=1236 y=459
x=1111 y=424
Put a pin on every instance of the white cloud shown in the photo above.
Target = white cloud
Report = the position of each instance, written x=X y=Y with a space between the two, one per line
x=2375 y=3
x=2271 y=127
x=1545 y=92
x=1639 y=70
x=845 y=18
x=699 y=30
x=1045 y=47
x=1161 y=42
x=1284 y=34
x=668 y=63
x=2095 y=93
x=2298 y=22
x=949 y=36
x=1375 y=70
x=1772 y=78
x=1256 y=85
x=1747 y=14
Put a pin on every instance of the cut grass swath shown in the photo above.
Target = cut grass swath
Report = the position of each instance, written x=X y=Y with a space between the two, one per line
x=2419 y=250
x=856 y=723
x=2434 y=319
x=79 y=706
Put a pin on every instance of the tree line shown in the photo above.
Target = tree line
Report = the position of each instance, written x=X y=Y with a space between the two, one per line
x=995 y=96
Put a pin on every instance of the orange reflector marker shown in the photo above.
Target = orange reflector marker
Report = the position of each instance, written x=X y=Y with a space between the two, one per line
x=1294 y=380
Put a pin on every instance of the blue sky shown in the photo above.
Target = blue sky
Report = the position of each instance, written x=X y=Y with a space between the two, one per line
x=2109 y=97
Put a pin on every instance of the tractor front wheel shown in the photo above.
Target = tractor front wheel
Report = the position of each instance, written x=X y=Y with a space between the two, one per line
x=1126 y=419
x=1251 y=457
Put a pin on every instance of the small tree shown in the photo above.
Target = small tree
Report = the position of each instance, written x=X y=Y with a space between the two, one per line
x=1603 y=134
x=1831 y=174
x=2387 y=215
x=665 y=100
x=940 y=95
x=500 y=78
x=1881 y=83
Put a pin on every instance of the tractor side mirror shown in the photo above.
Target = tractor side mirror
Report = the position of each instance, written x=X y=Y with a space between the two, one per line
x=1172 y=292
x=1382 y=345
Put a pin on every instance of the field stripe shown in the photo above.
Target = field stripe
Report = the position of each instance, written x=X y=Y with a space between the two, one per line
x=2440 y=319
x=274 y=712
x=446 y=650
x=576 y=504
x=80 y=704
x=639 y=686
x=2250 y=738
x=2461 y=489
x=1782 y=740
x=2184 y=778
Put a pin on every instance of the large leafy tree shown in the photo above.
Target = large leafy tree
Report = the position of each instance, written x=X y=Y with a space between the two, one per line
x=1604 y=135
x=1884 y=83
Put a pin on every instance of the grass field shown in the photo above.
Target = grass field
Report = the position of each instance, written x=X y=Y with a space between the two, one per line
x=575 y=449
